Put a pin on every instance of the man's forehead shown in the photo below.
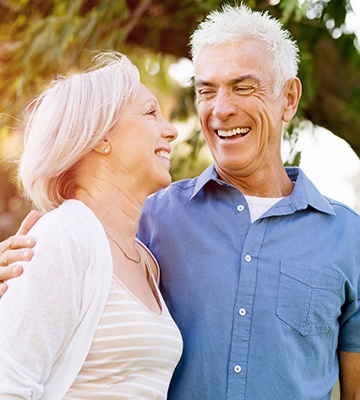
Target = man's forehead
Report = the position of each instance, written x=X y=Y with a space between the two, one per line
x=233 y=63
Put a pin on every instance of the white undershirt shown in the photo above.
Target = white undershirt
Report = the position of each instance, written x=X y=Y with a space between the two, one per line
x=259 y=205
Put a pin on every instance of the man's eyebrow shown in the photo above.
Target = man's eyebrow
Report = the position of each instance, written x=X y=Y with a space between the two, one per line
x=247 y=77
x=235 y=81
x=201 y=82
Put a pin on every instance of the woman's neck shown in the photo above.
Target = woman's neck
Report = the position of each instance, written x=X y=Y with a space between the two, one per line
x=118 y=210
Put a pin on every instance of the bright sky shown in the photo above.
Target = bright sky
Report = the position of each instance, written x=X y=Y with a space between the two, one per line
x=353 y=19
x=331 y=165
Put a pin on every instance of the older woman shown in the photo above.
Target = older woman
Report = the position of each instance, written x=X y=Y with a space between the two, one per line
x=86 y=319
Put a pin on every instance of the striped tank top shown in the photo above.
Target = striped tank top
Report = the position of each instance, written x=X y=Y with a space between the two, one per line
x=133 y=354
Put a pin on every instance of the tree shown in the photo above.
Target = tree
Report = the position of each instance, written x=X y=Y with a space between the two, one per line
x=40 y=39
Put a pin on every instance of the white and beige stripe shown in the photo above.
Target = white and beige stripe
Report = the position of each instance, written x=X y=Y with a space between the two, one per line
x=133 y=354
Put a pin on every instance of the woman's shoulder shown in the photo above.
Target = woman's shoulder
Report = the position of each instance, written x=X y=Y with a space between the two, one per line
x=72 y=227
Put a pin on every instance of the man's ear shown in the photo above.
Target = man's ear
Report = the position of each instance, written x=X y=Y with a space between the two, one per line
x=104 y=147
x=292 y=97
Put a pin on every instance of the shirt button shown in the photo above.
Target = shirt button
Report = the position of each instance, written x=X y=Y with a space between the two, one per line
x=247 y=258
x=237 y=369
x=242 y=311
x=240 y=207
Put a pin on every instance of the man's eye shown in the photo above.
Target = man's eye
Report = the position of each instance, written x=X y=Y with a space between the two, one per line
x=204 y=92
x=245 y=89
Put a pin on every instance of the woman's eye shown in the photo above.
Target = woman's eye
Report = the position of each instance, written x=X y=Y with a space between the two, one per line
x=152 y=112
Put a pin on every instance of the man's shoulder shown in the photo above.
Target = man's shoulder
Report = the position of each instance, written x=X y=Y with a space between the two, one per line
x=183 y=184
x=179 y=189
x=343 y=210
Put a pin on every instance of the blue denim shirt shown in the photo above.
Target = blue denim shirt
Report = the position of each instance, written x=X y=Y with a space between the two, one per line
x=262 y=307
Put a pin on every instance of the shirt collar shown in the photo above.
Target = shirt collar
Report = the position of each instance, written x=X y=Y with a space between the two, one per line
x=306 y=194
x=209 y=174
x=303 y=195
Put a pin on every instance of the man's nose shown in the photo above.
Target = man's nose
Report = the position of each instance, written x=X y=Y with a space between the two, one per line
x=224 y=105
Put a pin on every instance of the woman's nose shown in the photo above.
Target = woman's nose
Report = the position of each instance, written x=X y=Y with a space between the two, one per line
x=169 y=131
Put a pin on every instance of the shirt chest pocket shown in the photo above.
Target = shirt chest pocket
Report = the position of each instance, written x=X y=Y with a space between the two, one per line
x=309 y=298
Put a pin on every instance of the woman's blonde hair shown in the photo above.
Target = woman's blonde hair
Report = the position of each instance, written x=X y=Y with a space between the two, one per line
x=67 y=121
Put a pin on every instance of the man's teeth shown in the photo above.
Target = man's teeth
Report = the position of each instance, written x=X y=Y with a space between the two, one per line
x=163 y=154
x=233 y=132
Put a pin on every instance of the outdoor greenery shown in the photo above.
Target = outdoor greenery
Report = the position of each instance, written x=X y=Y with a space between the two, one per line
x=40 y=39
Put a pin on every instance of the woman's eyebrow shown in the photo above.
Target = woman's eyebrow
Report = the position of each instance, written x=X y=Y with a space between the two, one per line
x=149 y=102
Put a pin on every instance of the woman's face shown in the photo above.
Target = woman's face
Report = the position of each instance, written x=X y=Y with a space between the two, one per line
x=141 y=142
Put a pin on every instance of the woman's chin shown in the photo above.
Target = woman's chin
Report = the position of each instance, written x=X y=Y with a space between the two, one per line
x=162 y=183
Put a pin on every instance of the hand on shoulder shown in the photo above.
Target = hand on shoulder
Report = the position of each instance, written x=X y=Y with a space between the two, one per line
x=16 y=248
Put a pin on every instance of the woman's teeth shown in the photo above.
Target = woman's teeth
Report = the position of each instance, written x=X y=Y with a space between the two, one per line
x=163 y=154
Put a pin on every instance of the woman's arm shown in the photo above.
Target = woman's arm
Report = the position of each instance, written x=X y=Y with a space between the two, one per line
x=39 y=313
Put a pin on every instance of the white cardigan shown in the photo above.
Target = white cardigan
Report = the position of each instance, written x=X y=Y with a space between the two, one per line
x=49 y=315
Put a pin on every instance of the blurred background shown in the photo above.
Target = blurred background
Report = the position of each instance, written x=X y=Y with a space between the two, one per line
x=41 y=39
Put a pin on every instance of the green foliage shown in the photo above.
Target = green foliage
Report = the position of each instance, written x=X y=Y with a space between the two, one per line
x=290 y=8
x=187 y=161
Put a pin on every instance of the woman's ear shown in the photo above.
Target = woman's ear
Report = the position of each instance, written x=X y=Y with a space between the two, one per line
x=104 y=147
x=292 y=97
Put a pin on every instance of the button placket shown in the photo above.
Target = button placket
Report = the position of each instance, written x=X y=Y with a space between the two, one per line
x=240 y=344
x=240 y=208
x=237 y=369
x=248 y=258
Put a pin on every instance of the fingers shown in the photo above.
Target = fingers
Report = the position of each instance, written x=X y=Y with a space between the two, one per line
x=11 y=256
x=3 y=288
x=8 y=273
x=19 y=241
x=12 y=250
x=16 y=248
x=6 y=258
x=14 y=243
x=28 y=222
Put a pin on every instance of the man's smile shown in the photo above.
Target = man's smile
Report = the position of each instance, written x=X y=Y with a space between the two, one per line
x=232 y=132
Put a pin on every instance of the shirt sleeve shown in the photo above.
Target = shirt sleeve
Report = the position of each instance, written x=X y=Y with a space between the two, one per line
x=39 y=312
x=349 y=337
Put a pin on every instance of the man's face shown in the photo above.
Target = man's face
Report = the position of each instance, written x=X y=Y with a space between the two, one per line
x=239 y=114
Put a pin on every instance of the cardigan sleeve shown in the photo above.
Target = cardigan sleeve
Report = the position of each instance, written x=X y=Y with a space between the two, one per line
x=41 y=309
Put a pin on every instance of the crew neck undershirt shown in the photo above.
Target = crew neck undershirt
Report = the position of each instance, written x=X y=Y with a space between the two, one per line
x=259 y=205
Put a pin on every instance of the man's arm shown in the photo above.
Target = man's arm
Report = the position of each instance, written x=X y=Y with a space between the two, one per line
x=349 y=375
x=16 y=248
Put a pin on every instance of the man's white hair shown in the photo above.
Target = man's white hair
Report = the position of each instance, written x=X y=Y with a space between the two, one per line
x=234 y=23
